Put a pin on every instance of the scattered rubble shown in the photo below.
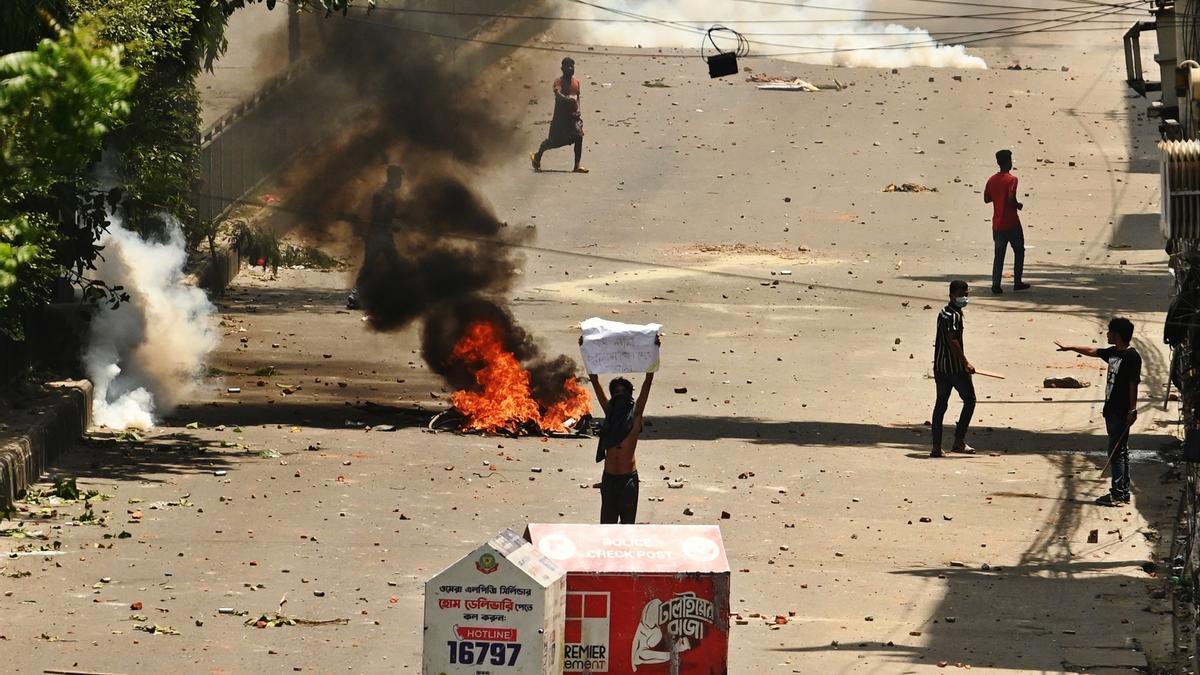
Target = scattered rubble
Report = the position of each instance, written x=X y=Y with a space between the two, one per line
x=781 y=83
x=1064 y=383
x=908 y=187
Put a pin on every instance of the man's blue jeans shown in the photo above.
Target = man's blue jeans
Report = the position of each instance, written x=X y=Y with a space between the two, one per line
x=1014 y=237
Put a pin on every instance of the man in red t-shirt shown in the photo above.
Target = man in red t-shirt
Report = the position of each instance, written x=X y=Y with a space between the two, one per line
x=1001 y=193
x=566 y=127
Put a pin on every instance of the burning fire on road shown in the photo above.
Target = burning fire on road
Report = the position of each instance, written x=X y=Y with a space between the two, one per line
x=503 y=399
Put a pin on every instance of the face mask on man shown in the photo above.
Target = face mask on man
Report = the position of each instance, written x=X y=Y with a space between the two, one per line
x=618 y=423
x=961 y=301
x=620 y=404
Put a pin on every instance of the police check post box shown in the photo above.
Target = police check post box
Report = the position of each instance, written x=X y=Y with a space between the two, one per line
x=497 y=611
x=643 y=599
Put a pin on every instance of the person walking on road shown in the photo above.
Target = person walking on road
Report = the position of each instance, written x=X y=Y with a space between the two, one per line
x=1001 y=193
x=378 y=244
x=566 y=127
x=1120 y=401
x=952 y=370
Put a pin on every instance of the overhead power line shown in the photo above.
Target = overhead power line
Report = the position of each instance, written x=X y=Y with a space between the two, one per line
x=1059 y=24
x=1005 y=9
x=992 y=5
x=997 y=16
x=1078 y=16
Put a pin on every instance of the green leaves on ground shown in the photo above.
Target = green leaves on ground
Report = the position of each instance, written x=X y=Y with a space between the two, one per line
x=22 y=533
x=65 y=488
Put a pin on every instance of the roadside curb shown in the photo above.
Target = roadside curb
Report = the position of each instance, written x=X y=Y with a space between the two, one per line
x=23 y=460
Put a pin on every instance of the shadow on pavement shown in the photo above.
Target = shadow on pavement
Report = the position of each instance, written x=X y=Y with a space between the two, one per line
x=1066 y=606
x=1027 y=618
x=877 y=436
x=1138 y=231
x=316 y=415
x=1039 y=615
x=105 y=456
x=286 y=300
x=1071 y=289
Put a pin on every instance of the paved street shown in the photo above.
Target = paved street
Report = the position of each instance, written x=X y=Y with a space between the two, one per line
x=799 y=302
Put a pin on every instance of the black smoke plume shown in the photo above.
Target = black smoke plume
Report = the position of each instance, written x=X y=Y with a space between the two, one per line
x=434 y=250
x=440 y=246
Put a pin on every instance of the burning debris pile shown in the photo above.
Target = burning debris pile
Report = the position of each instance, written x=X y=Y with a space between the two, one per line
x=503 y=398
x=504 y=382
x=449 y=264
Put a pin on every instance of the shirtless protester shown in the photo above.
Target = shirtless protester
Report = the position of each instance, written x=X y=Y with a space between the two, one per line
x=618 y=441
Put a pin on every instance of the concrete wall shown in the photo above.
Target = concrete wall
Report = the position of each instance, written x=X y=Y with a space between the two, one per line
x=61 y=422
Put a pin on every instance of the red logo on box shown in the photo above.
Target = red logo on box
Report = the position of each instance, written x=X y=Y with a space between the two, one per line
x=588 y=625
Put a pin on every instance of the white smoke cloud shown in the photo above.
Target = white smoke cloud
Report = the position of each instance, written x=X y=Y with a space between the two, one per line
x=841 y=34
x=147 y=355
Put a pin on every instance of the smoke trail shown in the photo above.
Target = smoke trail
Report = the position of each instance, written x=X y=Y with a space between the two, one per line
x=842 y=37
x=145 y=356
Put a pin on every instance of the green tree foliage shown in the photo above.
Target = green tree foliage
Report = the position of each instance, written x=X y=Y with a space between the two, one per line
x=23 y=23
x=57 y=104
x=168 y=41
x=157 y=148
x=122 y=77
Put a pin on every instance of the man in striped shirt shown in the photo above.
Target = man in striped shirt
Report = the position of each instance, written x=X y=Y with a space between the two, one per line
x=952 y=370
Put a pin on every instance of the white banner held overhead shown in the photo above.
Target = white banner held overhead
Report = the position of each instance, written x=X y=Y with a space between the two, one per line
x=613 y=347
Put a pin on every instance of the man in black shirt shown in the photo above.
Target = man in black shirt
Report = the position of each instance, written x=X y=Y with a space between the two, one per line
x=952 y=370
x=1120 y=401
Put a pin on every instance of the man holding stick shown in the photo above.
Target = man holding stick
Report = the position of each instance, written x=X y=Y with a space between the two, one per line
x=1120 y=401
x=952 y=370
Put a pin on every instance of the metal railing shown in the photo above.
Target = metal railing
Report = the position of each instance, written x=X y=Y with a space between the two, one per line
x=251 y=142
